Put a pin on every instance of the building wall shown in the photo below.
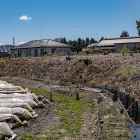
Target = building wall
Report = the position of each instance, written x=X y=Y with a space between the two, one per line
x=49 y=50
x=120 y=46
x=66 y=51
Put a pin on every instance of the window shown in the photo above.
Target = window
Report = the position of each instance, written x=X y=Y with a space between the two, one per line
x=41 y=51
x=28 y=52
x=19 y=53
x=35 y=52
x=53 y=50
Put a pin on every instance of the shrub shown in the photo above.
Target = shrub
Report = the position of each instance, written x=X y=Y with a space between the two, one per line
x=124 y=50
x=62 y=53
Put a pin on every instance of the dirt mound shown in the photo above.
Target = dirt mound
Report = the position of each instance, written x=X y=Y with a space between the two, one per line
x=111 y=71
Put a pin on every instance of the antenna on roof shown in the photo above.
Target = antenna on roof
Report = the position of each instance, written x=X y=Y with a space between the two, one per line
x=97 y=36
x=41 y=33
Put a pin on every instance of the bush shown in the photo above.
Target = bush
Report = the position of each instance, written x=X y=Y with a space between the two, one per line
x=62 y=53
x=124 y=50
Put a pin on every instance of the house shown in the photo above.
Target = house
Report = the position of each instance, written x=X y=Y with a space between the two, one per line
x=36 y=48
x=114 y=44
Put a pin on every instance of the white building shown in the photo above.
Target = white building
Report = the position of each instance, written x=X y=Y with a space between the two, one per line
x=114 y=44
x=37 y=47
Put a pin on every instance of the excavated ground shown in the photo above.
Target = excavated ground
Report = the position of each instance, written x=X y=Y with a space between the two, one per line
x=111 y=71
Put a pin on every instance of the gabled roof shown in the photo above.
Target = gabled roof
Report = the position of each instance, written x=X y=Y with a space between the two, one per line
x=42 y=43
x=121 y=40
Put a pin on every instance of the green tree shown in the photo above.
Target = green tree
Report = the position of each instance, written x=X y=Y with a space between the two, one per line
x=138 y=26
x=92 y=40
x=83 y=44
x=102 y=38
x=64 y=41
x=70 y=42
x=124 y=34
x=87 y=42
x=78 y=45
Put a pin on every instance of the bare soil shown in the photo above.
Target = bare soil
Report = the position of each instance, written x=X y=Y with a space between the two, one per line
x=115 y=125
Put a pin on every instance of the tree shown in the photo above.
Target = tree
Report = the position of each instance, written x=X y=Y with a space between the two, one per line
x=138 y=26
x=70 y=42
x=64 y=41
x=124 y=34
x=6 y=48
x=92 y=40
x=87 y=42
x=78 y=45
x=83 y=45
x=102 y=38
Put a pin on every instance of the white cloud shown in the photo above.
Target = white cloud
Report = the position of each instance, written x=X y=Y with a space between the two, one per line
x=22 y=42
x=76 y=29
x=24 y=17
x=1 y=44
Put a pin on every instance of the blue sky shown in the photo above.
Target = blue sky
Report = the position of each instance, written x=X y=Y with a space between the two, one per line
x=72 y=19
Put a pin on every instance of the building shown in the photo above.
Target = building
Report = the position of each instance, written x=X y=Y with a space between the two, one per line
x=36 y=48
x=114 y=44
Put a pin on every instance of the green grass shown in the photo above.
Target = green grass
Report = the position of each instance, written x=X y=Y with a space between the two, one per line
x=26 y=136
x=70 y=111
x=108 y=111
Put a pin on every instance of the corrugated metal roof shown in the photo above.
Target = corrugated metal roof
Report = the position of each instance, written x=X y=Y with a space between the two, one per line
x=42 y=43
x=122 y=40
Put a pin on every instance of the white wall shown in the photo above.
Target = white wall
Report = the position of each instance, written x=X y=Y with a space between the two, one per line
x=49 y=50
x=65 y=50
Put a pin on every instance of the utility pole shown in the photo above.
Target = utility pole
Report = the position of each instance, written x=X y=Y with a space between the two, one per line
x=13 y=42
x=41 y=33
x=97 y=36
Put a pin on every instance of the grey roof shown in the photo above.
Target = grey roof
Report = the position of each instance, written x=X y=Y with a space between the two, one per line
x=121 y=40
x=42 y=43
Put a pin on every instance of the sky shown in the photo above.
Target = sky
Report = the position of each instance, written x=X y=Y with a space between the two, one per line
x=23 y=19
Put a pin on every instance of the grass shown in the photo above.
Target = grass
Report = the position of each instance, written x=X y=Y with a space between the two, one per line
x=70 y=111
x=26 y=136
